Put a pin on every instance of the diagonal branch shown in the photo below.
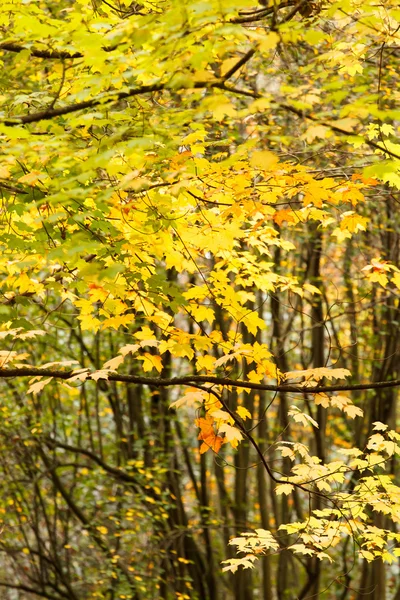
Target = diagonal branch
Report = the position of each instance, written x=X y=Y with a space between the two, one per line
x=29 y=590
x=239 y=64
x=119 y=474
x=79 y=514
x=336 y=129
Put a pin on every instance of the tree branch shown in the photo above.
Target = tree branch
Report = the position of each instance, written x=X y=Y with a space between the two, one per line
x=51 y=54
x=336 y=129
x=190 y=379
x=119 y=474
x=25 y=588
x=47 y=114
x=85 y=522
x=239 y=64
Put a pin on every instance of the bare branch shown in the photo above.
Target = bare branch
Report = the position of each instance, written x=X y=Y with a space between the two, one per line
x=239 y=64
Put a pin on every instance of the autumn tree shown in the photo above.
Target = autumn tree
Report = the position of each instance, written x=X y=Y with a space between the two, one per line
x=199 y=313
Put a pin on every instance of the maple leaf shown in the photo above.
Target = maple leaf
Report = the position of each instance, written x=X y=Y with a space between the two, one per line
x=316 y=131
x=284 y=488
x=129 y=349
x=234 y=563
x=151 y=361
x=285 y=214
x=322 y=399
x=263 y=160
x=190 y=398
x=100 y=374
x=37 y=387
x=301 y=549
x=243 y=413
x=301 y=417
x=208 y=435
x=113 y=363
x=353 y=223
x=206 y=363
x=318 y=373
x=378 y=426
x=79 y=375
x=220 y=414
x=353 y=411
x=232 y=434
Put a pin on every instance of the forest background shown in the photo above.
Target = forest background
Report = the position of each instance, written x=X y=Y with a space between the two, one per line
x=199 y=299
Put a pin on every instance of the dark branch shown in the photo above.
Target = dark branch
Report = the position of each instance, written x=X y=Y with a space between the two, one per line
x=51 y=54
x=158 y=87
x=239 y=64
x=337 y=129
x=190 y=379
x=48 y=114
x=25 y=588
x=117 y=473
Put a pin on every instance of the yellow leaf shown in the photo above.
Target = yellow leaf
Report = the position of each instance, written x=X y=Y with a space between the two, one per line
x=79 y=375
x=367 y=555
x=311 y=288
x=378 y=277
x=113 y=363
x=232 y=434
x=269 y=41
x=353 y=411
x=100 y=374
x=151 y=361
x=321 y=399
x=243 y=413
x=89 y=323
x=396 y=280
x=318 y=373
x=37 y=387
x=323 y=486
x=190 y=397
x=206 y=363
x=284 y=488
x=255 y=377
x=103 y=530
x=301 y=549
x=129 y=348
x=316 y=131
x=353 y=223
x=220 y=414
x=378 y=426
x=263 y=160
x=301 y=417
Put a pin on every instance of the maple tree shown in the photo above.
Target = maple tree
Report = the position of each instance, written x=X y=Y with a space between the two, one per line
x=199 y=279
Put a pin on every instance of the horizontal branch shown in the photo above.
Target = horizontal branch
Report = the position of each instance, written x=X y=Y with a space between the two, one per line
x=191 y=379
x=221 y=84
x=52 y=54
x=49 y=54
x=50 y=113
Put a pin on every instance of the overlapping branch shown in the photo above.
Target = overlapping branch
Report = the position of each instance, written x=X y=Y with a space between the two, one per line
x=50 y=113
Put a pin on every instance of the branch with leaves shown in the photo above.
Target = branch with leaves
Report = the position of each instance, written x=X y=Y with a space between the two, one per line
x=6 y=373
